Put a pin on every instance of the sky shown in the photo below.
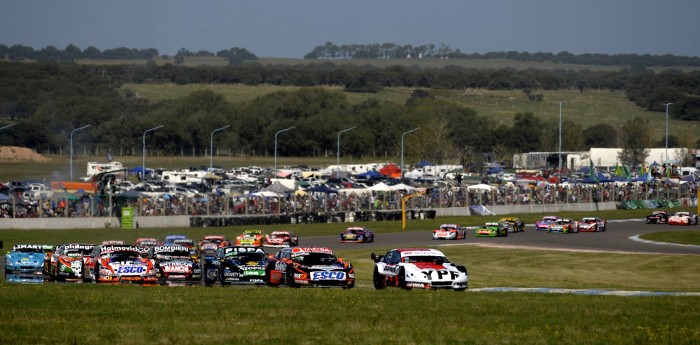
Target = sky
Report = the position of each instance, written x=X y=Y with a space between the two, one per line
x=292 y=28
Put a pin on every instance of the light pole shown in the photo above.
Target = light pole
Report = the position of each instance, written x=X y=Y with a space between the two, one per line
x=8 y=126
x=143 y=162
x=402 y=135
x=71 y=149
x=337 y=163
x=211 y=146
x=278 y=132
x=560 y=106
x=666 y=104
x=619 y=130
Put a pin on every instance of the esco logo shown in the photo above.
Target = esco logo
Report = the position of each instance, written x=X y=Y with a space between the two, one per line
x=327 y=275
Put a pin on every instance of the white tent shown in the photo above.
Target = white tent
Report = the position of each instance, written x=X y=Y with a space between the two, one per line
x=414 y=174
x=380 y=187
x=266 y=194
x=481 y=187
x=403 y=187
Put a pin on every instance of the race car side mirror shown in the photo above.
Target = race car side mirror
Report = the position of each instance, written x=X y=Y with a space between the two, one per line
x=375 y=257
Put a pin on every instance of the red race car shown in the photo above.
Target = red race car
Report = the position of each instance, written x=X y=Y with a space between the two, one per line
x=683 y=218
x=281 y=239
x=590 y=224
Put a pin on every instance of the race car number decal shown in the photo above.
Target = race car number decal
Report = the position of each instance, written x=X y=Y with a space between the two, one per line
x=327 y=275
x=130 y=269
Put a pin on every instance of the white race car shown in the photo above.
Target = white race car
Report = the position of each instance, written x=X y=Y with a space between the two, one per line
x=683 y=218
x=425 y=268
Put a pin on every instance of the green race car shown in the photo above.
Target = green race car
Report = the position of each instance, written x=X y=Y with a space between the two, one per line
x=492 y=229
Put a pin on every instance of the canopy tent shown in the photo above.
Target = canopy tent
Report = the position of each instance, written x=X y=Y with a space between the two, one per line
x=654 y=164
x=403 y=187
x=278 y=188
x=391 y=170
x=321 y=189
x=266 y=194
x=481 y=187
x=414 y=174
x=423 y=163
x=139 y=170
x=380 y=187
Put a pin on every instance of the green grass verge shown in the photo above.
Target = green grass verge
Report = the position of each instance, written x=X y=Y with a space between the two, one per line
x=682 y=237
x=86 y=313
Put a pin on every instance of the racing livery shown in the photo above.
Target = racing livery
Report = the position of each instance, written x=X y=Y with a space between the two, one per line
x=425 y=268
x=281 y=239
x=514 y=224
x=592 y=224
x=683 y=218
x=175 y=264
x=221 y=241
x=357 y=234
x=119 y=263
x=545 y=222
x=170 y=239
x=250 y=238
x=25 y=263
x=241 y=265
x=68 y=260
x=492 y=229
x=147 y=242
x=563 y=226
x=658 y=217
x=449 y=232
x=209 y=262
x=309 y=266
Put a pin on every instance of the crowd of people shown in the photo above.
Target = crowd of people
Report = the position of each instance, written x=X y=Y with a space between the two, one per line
x=220 y=204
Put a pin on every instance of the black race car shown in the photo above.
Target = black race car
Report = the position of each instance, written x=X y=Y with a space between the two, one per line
x=658 y=217
x=241 y=265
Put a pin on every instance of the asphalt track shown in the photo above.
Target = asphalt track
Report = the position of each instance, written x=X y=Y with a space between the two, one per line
x=617 y=238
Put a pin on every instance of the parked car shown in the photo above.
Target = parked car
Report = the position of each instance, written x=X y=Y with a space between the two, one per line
x=425 y=268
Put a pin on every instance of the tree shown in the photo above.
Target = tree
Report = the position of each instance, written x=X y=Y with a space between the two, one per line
x=635 y=140
x=601 y=135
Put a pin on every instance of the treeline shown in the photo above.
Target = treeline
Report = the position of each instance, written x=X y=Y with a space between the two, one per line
x=442 y=51
x=72 y=53
x=23 y=84
x=48 y=100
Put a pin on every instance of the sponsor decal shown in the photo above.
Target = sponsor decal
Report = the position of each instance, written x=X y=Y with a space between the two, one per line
x=312 y=250
x=160 y=249
x=243 y=250
x=176 y=268
x=79 y=246
x=327 y=275
x=392 y=269
x=111 y=248
x=440 y=275
x=130 y=269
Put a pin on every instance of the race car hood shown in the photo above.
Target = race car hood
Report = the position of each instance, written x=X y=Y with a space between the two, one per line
x=129 y=267
x=24 y=259
x=176 y=266
x=428 y=266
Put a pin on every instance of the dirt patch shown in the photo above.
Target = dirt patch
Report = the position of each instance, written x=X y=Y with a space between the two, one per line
x=19 y=154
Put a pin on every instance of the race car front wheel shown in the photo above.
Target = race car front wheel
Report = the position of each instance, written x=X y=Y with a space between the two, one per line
x=379 y=280
x=402 y=279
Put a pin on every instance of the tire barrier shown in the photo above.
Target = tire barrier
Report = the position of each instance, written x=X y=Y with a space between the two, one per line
x=307 y=218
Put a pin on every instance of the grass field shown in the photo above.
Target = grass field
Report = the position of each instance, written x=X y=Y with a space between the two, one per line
x=585 y=108
x=681 y=237
x=86 y=313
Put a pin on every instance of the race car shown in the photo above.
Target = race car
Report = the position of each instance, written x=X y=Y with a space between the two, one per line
x=112 y=243
x=658 y=217
x=514 y=224
x=545 y=222
x=209 y=262
x=492 y=229
x=425 y=268
x=25 y=263
x=563 y=226
x=170 y=239
x=683 y=218
x=356 y=234
x=189 y=243
x=221 y=241
x=175 y=264
x=281 y=239
x=250 y=238
x=67 y=261
x=309 y=266
x=146 y=242
x=241 y=265
x=449 y=232
x=119 y=263
x=592 y=224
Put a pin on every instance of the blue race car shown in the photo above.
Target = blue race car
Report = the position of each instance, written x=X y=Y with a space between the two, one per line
x=356 y=234
x=242 y=265
x=25 y=263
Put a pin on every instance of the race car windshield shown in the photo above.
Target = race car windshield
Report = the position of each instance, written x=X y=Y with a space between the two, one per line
x=123 y=256
x=312 y=259
x=249 y=257
x=74 y=253
x=425 y=258
x=30 y=250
